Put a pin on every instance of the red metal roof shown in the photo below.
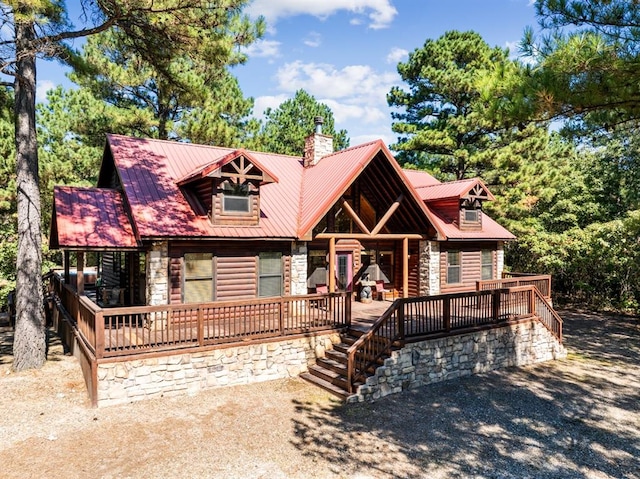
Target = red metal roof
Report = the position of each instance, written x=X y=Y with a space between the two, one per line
x=91 y=218
x=450 y=189
x=419 y=178
x=490 y=229
x=150 y=171
x=206 y=170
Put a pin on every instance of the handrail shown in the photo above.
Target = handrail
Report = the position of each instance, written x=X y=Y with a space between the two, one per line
x=366 y=340
x=540 y=281
x=548 y=317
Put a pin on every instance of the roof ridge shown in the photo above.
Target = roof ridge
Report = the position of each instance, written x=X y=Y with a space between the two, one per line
x=200 y=145
x=445 y=183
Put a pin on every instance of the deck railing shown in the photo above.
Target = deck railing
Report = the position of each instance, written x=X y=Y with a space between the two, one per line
x=511 y=279
x=413 y=319
x=110 y=332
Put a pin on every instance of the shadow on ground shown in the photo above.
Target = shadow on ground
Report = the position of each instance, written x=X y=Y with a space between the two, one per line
x=574 y=418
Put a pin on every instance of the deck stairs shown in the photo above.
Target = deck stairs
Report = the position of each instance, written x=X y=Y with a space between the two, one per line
x=330 y=372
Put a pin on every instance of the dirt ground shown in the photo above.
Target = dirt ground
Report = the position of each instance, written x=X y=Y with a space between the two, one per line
x=574 y=418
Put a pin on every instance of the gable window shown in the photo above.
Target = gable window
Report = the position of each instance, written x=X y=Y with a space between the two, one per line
x=198 y=278
x=487 y=264
x=270 y=274
x=235 y=198
x=471 y=216
x=453 y=267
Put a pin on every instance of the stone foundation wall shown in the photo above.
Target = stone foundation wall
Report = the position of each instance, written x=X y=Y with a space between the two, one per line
x=127 y=381
x=436 y=360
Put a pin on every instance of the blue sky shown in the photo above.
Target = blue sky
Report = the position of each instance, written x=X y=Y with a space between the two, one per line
x=345 y=52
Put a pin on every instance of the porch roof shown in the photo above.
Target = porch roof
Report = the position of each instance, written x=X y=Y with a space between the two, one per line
x=86 y=218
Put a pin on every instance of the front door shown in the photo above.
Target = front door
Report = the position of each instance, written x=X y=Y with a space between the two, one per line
x=344 y=271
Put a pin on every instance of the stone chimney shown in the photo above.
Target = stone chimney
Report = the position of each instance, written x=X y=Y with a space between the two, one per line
x=317 y=145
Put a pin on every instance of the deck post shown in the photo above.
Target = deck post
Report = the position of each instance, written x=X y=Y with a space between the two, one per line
x=347 y=309
x=401 y=320
x=200 y=325
x=496 y=304
x=99 y=326
x=405 y=267
x=80 y=273
x=332 y=265
x=446 y=313
x=281 y=316
x=67 y=277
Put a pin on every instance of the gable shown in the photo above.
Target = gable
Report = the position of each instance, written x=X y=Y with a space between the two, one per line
x=365 y=186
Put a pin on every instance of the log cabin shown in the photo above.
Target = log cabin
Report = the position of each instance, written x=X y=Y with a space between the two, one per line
x=180 y=223
x=200 y=247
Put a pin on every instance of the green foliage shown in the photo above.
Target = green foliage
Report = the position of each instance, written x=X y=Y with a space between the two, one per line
x=287 y=126
x=189 y=95
x=587 y=60
x=442 y=117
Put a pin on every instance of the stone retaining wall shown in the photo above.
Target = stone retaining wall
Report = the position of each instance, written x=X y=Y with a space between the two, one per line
x=426 y=362
x=127 y=381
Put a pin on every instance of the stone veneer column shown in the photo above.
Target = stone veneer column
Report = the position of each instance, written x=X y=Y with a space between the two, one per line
x=500 y=259
x=298 y=268
x=158 y=274
x=429 y=260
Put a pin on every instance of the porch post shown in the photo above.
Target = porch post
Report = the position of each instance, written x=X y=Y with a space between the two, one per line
x=67 y=278
x=332 y=265
x=405 y=267
x=80 y=273
x=132 y=272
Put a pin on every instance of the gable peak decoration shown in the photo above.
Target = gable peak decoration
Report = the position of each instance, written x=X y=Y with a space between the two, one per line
x=317 y=145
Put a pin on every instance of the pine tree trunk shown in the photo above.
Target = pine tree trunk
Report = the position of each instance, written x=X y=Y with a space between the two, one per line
x=29 y=346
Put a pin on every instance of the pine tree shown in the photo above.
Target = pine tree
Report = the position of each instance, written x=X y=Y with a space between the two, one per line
x=159 y=30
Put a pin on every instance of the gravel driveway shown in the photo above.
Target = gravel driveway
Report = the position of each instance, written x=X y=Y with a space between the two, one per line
x=574 y=418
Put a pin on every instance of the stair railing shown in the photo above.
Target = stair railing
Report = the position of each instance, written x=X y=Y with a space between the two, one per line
x=377 y=342
x=548 y=316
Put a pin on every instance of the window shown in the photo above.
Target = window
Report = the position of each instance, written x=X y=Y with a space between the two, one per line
x=235 y=198
x=270 y=274
x=453 y=267
x=198 y=278
x=487 y=264
x=386 y=262
x=471 y=216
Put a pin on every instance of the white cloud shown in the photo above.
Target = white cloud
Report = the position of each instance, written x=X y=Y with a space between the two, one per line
x=42 y=87
x=314 y=40
x=324 y=80
x=261 y=103
x=356 y=94
x=396 y=55
x=380 y=12
x=263 y=48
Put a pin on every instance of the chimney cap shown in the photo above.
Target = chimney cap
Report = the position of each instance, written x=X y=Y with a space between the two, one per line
x=318 y=121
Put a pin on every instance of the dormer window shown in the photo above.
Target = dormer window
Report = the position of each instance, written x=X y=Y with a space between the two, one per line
x=471 y=216
x=235 y=198
x=228 y=189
